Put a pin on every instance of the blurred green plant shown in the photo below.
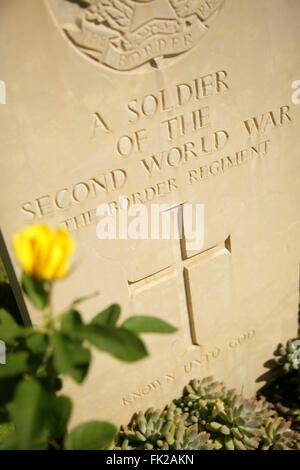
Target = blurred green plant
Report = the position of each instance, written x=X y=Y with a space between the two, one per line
x=33 y=416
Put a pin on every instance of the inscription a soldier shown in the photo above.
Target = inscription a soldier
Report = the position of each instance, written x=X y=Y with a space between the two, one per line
x=160 y=102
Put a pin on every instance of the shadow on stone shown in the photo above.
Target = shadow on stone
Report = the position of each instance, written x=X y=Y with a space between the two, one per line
x=270 y=375
x=81 y=3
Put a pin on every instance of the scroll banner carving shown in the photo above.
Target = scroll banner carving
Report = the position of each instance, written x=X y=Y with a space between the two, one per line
x=126 y=34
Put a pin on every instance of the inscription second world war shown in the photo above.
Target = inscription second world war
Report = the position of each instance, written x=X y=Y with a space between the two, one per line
x=99 y=111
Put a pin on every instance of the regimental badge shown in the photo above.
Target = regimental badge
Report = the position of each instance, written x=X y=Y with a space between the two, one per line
x=125 y=34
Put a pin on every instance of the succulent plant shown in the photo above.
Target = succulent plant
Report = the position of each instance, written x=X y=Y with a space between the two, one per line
x=208 y=417
x=279 y=436
x=198 y=398
x=236 y=423
x=182 y=437
x=206 y=389
x=295 y=415
x=163 y=430
x=288 y=357
x=143 y=429
x=233 y=421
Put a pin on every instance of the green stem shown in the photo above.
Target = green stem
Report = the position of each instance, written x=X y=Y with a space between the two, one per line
x=54 y=444
x=49 y=318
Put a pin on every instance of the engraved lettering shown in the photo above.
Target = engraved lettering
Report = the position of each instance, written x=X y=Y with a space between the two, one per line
x=27 y=208
x=98 y=121
x=260 y=124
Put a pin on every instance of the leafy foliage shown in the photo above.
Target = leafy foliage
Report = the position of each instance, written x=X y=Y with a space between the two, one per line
x=38 y=359
x=116 y=13
x=143 y=324
x=5 y=429
x=32 y=415
x=37 y=291
x=90 y=436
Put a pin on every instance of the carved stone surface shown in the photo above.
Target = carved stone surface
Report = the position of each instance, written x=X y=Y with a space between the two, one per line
x=215 y=125
x=125 y=34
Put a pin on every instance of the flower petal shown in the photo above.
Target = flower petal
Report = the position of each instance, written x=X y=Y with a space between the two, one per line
x=43 y=253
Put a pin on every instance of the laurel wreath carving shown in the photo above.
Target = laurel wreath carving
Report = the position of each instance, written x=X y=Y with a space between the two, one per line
x=118 y=13
x=108 y=30
x=185 y=8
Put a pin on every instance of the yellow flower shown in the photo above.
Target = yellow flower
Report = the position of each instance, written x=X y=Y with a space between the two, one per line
x=44 y=253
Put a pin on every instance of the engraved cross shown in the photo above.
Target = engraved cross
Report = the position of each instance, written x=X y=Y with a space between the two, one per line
x=183 y=264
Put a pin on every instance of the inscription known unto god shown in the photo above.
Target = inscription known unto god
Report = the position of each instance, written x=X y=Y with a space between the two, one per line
x=168 y=103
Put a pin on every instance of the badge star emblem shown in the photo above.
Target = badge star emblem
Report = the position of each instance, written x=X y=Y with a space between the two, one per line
x=145 y=11
x=127 y=34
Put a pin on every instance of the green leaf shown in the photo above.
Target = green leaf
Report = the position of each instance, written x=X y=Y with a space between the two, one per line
x=83 y=299
x=60 y=416
x=70 y=357
x=95 y=435
x=70 y=321
x=37 y=342
x=7 y=389
x=108 y=317
x=9 y=329
x=5 y=430
x=12 y=442
x=146 y=324
x=118 y=342
x=36 y=291
x=30 y=412
x=16 y=364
